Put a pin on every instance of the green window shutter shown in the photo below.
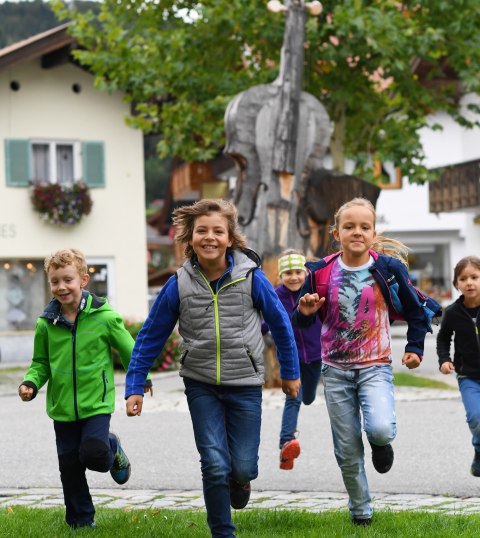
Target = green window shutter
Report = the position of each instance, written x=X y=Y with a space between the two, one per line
x=93 y=163
x=18 y=163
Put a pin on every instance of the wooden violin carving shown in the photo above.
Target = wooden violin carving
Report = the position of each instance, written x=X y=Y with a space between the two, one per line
x=276 y=133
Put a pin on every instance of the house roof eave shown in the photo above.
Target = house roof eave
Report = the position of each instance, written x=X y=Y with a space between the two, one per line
x=36 y=46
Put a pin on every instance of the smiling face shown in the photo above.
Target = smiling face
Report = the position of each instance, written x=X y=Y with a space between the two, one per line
x=210 y=240
x=356 y=232
x=293 y=279
x=468 y=283
x=66 y=285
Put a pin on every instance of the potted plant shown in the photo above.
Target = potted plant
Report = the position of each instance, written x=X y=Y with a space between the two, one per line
x=61 y=204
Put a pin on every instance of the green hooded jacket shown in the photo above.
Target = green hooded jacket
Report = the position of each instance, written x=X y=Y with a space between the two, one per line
x=76 y=359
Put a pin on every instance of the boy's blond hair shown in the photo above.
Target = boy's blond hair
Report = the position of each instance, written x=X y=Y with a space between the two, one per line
x=184 y=219
x=67 y=256
x=381 y=244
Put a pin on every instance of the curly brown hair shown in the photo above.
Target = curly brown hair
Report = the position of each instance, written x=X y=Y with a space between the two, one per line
x=184 y=220
x=67 y=256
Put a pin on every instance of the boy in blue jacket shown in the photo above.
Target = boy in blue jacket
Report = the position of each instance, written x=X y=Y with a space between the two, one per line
x=217 y=297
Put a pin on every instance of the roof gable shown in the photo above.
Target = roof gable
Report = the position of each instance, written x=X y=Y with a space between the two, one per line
x=38 y=46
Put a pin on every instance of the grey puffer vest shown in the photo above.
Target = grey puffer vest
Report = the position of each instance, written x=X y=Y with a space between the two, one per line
x=222 y=339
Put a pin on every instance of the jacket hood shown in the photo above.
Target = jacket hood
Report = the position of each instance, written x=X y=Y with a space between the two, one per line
x=88 y=303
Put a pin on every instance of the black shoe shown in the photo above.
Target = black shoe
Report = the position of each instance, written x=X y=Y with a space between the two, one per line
x=475 y=468
x=239 y=494
x=382 y=457
x=362 y=521
x=85 y=525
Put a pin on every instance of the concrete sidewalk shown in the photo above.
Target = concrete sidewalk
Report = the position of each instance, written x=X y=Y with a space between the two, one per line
x=279 y=500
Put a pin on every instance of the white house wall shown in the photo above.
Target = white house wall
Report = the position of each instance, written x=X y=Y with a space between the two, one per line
x=46 y=107
x=404 y=213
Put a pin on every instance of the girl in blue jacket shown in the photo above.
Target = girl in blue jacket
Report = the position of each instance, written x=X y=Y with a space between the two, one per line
x=217 y=297
x=357 y=292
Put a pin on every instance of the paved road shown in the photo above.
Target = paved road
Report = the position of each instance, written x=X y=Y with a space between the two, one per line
x=432 y=449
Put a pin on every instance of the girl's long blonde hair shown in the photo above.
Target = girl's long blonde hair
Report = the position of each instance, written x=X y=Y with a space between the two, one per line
x=184 y=220
x=381 y=244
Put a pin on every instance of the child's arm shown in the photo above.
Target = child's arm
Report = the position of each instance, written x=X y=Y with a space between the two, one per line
x=158 y=326
x=444 y=340
x=266 y=300
x=39 y=371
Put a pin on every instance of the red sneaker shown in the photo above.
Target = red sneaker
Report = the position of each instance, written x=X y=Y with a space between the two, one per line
x=290 y=451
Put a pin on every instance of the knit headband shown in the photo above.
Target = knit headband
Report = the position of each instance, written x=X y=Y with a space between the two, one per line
x=290 y=262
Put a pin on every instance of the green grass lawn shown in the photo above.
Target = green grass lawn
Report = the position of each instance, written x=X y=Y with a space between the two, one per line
x=402 y=379
x=24 y=522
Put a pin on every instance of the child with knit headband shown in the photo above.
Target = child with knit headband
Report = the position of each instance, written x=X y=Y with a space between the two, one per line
x=292 y=273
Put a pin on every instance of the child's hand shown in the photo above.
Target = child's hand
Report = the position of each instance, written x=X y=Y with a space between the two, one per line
x=25 y=393
x=310 y=303
x=447 y=368
x=148 y=387
x=291 y=387
x=411 y=360
x=134 y=405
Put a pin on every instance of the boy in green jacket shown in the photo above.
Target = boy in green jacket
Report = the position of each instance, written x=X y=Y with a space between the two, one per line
x=72 y=351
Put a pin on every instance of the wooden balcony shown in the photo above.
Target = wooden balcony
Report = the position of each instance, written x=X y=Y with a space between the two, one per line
x=188 y=179
x=457 y=188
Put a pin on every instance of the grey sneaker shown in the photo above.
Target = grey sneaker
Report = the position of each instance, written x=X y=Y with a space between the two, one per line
x=121 y=467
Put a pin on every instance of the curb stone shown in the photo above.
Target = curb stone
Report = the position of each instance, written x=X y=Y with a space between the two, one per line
x=280 y=500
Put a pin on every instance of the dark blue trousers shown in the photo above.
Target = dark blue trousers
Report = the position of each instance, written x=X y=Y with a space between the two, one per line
x=83 y=444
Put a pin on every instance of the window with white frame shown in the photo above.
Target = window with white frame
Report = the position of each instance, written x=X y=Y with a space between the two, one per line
x=30 y=161
x=55 y=162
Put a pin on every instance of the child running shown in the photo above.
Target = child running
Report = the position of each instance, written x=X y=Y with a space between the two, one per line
x=72 y=352
x=462 y=321
x=292 y=273
x=356 y=292
x=217 y=297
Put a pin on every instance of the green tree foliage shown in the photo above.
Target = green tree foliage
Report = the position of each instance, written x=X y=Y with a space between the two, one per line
x=182 y=61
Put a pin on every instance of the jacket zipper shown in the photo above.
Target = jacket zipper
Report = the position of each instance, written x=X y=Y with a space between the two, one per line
x=218 y=376
x=74 y=368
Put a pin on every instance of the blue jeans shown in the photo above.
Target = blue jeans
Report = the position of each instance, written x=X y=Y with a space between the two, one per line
x=83 y=444
x=309 y=376
x=470 y=391
x=226 y=425
x=348 y=393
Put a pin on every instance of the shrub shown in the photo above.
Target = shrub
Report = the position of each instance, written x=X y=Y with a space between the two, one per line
x=169 y=358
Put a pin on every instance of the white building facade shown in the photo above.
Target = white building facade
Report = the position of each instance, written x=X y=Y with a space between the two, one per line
x=437 y=241
x=55 y=127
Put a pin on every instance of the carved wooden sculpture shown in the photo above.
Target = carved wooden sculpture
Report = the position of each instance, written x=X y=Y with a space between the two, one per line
x=277 y=133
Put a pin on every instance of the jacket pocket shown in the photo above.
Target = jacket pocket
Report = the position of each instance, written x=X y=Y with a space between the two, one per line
x=104 y=380
x=183 y=356
x=252 y=360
